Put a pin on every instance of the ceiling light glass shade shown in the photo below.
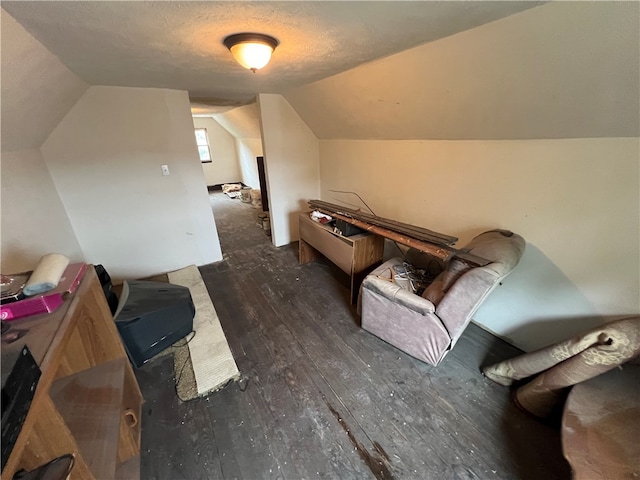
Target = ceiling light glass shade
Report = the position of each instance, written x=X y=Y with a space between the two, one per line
x=252 y=55
x=251 y=50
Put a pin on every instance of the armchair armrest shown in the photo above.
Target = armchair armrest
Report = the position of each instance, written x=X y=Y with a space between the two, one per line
x=464 y=298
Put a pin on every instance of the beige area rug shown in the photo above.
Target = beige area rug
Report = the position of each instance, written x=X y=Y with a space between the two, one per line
x=205 y=363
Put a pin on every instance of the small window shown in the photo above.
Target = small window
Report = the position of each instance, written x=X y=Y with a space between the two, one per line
x=203 y=145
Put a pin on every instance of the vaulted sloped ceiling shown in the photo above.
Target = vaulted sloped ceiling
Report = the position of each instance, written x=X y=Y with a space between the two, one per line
x=37 y=89
x=51 y=51
x=466 y=70
x=241 y=122
x=178 y=44
x=561 y=70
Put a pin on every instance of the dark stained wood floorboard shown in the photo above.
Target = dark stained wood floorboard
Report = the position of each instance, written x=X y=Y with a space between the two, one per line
x=282 y=377
x=171 y=448
x=355 y=383
x=325 y=399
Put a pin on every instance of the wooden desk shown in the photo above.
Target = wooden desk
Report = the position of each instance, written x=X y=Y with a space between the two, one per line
x=87 y=401
x=354 y=255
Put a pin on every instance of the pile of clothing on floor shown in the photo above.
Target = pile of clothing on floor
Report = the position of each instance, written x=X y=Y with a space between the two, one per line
x=232 y=189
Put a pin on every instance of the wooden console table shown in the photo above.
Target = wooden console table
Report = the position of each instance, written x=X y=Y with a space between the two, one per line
x=354 y=255
x=87 y=401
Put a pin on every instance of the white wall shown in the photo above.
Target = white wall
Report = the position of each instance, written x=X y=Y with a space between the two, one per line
x=244 y=124
x=105 y=158
x=33 y=220
x=575 y=202
x=37 y=89
x=456 y=135
x=248 y=150
x=292 y=165
x=224 y=167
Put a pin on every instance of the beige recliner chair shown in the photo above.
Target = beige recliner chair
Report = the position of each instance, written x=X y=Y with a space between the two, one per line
x=428 y=326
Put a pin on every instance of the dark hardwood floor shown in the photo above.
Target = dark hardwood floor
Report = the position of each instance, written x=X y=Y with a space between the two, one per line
x=325 y=399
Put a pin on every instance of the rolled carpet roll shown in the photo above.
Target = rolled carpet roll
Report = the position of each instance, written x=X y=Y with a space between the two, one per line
x=46 y=275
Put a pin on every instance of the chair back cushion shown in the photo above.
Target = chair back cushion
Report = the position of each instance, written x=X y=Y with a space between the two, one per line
x=502 y=247
x=443 y=282
x=464 y=296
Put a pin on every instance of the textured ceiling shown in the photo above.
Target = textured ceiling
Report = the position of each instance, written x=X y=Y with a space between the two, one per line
x=179 y=44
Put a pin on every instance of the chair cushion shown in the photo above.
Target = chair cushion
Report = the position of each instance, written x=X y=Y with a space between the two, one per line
x=492 y=245
x=435 y=291
x=443 y=282
x=454 y=271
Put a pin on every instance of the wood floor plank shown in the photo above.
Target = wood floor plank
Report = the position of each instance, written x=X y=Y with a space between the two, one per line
x=320 y=397
x=177 y=438
x=284 y=377
x=385 y=405
x=357 y=366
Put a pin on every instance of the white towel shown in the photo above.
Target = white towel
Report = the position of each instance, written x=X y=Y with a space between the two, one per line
x=46 y=275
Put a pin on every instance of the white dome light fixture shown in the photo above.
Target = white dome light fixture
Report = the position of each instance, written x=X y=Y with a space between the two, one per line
x=251 y=50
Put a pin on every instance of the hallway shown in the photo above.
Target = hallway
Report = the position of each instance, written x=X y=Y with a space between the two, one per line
x=237 y=223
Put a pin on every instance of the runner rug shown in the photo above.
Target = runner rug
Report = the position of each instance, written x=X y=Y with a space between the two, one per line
x=203 y=363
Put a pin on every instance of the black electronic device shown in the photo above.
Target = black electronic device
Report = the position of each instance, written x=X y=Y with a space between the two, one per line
x=20 y=375
x=346 y=229
x=105 y=282
x=152 y=316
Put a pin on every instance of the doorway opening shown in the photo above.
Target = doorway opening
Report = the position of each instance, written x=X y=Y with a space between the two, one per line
x=235 y=175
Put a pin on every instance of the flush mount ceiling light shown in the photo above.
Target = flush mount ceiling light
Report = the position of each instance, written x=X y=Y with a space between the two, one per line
x=251 y=50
